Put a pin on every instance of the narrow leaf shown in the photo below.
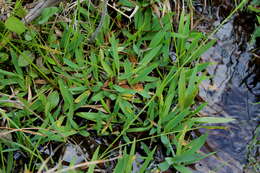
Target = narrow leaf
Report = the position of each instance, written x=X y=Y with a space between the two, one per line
x=213 y=120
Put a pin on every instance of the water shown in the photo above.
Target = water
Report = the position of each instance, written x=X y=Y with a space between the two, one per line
x=232 y=92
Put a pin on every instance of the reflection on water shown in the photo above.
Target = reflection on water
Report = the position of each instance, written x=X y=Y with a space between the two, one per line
x=232 y=92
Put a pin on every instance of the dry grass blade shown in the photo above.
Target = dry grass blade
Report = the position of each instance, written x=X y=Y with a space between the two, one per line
x=25 y=130
x=82 y=165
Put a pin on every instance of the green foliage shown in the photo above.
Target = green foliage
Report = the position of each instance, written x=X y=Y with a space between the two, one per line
x=47 y=13
x=125 y=83
x=15 y=25
x=254 y=7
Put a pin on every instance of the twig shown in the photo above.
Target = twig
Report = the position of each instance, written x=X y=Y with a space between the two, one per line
x=101 y=22
x=36 y=11
x=83 y=165
x=25 y=130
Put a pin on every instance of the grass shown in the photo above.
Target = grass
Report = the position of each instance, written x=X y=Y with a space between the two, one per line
x=55 y=85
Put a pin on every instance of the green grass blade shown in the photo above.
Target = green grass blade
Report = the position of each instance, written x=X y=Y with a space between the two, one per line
x=148 y=57
x=94 y=157
x=182 y=89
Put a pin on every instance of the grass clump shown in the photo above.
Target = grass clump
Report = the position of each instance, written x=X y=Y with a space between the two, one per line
x=137 y=83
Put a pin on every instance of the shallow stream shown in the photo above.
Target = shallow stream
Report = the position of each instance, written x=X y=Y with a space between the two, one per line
x=233 y=91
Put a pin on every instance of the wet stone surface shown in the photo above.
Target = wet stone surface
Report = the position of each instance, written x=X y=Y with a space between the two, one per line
x=232 y=92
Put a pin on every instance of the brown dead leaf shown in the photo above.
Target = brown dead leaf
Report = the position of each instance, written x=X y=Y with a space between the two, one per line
x=156 y=10
x=133 y=60
x=138 y=87
x=106 y=84
x=125 y=86
x=40 y=81
x=122 y=82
